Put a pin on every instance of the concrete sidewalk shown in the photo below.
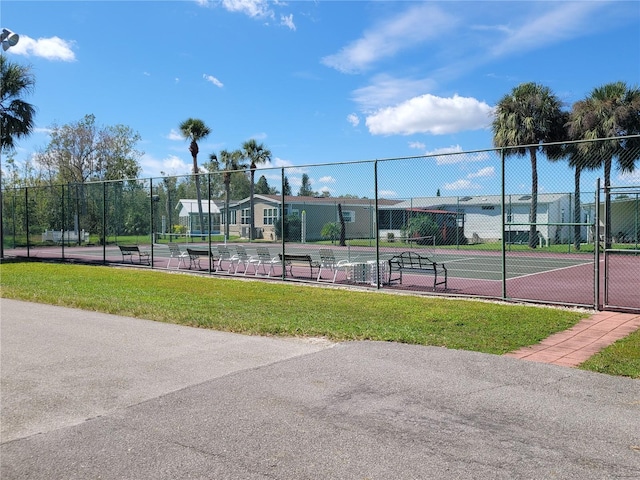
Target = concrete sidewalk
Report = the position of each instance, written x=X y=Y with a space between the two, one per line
x=90 y=395
x=571 y=347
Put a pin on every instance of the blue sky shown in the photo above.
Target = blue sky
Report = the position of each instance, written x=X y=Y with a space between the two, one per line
x=320 y=81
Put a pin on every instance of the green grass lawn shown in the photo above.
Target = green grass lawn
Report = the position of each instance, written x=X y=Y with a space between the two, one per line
x=270 y=308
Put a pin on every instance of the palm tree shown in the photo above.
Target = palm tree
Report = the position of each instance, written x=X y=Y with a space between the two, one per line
x=257 y=154
x=232 y=161
x=195 y=130
x=579 y=162
x=610 y=111
x=16 y=115
x=527 y=117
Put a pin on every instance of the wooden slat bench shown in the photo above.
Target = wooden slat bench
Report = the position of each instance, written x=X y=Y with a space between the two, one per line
x=416 y=263
x=128 y=251
x=291 y=259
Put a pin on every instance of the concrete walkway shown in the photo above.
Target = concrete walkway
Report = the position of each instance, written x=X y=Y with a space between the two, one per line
x=88 y=395
x=571 y=347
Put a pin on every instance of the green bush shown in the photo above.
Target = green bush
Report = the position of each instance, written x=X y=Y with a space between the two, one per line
x=423 y=226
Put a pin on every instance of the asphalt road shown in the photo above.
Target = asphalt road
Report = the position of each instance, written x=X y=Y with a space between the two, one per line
x=87 y=395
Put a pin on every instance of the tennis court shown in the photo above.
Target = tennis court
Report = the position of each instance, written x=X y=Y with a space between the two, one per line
x=541 y=277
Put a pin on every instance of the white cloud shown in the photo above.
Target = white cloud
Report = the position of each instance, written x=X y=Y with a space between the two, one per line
x=431 y=114
x=567 y=20
x=461 y=184
x=454 y=154
x=387 y=193
x=53 y=48
x=212 y=79
x=353 y=119
x=252 y=8
x=175 y=135
x=327 y=179
x=632 y=178
x=287 y=21
x=483 y=173
x=386 y=90
x=171 y=165
x=408 y=29
x=417 y=145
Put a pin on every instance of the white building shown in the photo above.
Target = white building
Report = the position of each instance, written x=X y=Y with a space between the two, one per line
x=188 y=215
x=479 y=217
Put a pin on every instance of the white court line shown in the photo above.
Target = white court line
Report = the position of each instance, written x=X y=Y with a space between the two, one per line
x=550 y=271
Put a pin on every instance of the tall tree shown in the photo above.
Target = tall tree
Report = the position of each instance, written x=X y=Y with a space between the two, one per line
x=526 y=118
x=286 y=188
x=609 y=111
x=257 y=154
x=83 y=151
x=16 y=115
x=263 y=188
x=230 y=162
x=194 y=130
x=305 y=187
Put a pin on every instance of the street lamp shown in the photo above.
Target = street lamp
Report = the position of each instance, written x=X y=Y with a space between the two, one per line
x=8 y=39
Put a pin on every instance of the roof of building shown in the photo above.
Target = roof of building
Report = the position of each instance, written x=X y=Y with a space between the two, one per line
x=443 y=203
x=187 y=205
x=293 y=199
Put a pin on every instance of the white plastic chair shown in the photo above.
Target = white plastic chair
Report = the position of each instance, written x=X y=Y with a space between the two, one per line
x=328 y=262
x=224 y=255
x=241 y=258
x=175 y=252
x=263 y=259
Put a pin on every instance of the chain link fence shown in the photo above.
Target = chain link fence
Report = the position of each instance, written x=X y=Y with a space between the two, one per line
x=385 y=223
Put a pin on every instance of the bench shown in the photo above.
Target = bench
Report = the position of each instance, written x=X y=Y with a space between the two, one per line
x=298 y=259
x=416 y=263
x=128 y=251
x=196 y=253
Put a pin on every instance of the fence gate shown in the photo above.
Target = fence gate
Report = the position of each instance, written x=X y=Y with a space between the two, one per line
x=619 y=214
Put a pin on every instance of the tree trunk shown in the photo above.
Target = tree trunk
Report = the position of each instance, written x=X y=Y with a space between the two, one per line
x=227 y=181
x=193 y=148
x=576 y=209
x=533 y=215
x=343 y=239
x=252 y=223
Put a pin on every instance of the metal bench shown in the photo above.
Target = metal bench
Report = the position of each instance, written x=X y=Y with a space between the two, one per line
x=196 y=253
x=291 y=259
x=128 y=251
x=416 y=263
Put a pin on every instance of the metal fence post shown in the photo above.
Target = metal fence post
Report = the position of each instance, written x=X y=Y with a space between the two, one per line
x=104 y=222
x=62 y=213
x=375 y=224
x=596 y=249
x=502 y=226
x=282 y=233
x=26 y=219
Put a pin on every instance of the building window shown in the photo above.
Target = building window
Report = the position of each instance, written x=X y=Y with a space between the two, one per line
x=269 y=216
x=488 y=207
x=233 y=217
x=349 y=216
x=291 y=211
x=245 y=216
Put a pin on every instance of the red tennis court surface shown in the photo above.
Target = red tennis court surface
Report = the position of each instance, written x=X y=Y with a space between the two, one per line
x=556 y=278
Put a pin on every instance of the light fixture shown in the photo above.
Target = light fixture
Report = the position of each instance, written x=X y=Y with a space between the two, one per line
x=9 y=39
